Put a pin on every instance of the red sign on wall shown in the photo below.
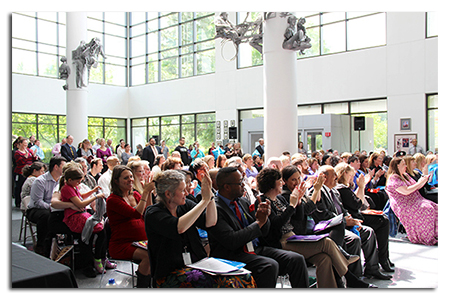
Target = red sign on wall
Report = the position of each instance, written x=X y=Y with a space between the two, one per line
x=327 y=134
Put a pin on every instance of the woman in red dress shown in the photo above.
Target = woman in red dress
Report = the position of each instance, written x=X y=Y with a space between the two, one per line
x=125 y=210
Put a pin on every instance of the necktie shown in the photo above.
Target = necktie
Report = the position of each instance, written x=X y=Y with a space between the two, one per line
x=336 y=203
x=71 y=150
x=238 y=213
x=241 y=221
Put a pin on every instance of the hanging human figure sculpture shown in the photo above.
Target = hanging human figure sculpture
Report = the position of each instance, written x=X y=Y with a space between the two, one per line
x=296 y=38
x=80 y=65
x=64 y=71
x=85 y=57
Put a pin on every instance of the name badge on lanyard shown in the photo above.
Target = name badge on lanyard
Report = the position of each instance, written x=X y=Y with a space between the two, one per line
x=186 y=257
x=250 y=247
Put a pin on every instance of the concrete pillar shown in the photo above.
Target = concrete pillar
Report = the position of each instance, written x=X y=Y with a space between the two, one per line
x=280 y=91
x=76 y=99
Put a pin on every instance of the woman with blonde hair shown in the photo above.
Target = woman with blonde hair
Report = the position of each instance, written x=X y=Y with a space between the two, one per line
x=209 y=160
x=250 y=170
x=430 y=158
x=422 y=167
x=103 y=152
x=418 y=215
x=355 y=202
x=411 y=168
x=142 y=183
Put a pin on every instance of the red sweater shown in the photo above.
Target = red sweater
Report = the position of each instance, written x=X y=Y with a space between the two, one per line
x=22 y=160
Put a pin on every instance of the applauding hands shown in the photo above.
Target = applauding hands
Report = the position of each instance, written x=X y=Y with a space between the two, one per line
x=263 y=212
x=297 y=194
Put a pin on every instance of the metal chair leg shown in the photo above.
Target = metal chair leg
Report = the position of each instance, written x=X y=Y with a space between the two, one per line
x=21 y=225
x=133 y=275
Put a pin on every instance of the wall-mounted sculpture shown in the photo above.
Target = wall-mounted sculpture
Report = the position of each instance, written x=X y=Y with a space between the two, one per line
x=85 y=57
x=295 y=37
x=64 y=71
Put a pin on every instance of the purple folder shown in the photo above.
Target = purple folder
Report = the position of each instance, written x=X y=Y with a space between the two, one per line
x=306 y=238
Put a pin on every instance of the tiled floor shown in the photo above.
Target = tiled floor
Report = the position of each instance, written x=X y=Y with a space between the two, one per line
x=416 y=266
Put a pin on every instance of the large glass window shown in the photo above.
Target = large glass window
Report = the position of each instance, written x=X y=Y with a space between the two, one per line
x=333 y=32
x=193 y=127
x=248 y=56
x=111 y=29
x=51 y=129
x=38 y=42
x=107 y=128
x=166 y=46
x=330 y=32
x=48 y=129
x=432 y=126
x=309 y=110
x=375 y=109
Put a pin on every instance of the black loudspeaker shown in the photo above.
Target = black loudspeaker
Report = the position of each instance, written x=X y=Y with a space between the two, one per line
x=360 y=123
x=232 y=133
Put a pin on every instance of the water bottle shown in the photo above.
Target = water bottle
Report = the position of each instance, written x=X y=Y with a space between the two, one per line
x=111 y=284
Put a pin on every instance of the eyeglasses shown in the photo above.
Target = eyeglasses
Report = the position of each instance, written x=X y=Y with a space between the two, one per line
x=238 y=183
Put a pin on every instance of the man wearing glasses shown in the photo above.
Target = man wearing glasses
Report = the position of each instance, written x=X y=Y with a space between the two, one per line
x=238 y=231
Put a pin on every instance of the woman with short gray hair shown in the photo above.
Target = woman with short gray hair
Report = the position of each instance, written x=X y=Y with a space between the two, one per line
x=173 y=240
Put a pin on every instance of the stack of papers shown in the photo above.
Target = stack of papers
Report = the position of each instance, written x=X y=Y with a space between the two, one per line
x=322 y=225
x=217 y=266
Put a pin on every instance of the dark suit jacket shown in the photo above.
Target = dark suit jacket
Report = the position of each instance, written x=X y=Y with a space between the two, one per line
x=149 y=156
x=325 y=208
x=67 y=154
x=227 y=239
x=260 y=150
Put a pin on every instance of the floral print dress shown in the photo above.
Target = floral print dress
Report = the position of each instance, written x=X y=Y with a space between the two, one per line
x=418 y=215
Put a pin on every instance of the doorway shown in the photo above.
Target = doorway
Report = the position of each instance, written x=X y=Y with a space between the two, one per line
x=314 y=140
x=253 y=137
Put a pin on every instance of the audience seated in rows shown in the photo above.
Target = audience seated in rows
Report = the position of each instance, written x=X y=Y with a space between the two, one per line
x=276 y=200
x=324 y=254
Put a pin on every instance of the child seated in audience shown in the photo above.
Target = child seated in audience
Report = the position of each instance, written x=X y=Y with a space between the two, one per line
x=76 y=220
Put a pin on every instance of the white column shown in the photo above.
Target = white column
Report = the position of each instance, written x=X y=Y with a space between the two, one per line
x=76 y=99
x=280 y=91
